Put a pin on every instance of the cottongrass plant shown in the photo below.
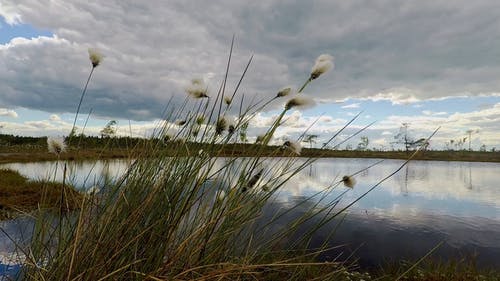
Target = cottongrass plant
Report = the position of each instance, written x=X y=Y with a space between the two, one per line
x=284 y=92
x=323 y=63
x=293 y=146
x=56 y=145
x=95 y=58
x=197 y=89
x=182 y=213
x=349 y=181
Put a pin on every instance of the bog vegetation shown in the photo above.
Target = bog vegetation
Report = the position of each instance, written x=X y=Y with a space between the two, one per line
x=182 y=213
x=187 y=214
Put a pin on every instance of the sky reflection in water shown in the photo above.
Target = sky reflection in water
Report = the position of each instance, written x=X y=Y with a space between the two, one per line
x=404 y=217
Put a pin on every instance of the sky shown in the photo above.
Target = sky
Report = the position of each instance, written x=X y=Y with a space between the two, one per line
x=426 y=63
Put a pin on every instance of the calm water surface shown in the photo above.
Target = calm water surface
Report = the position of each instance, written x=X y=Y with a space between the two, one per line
x=425 y=203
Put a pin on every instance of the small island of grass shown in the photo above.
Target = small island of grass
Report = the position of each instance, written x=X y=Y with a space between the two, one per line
x=18 y=194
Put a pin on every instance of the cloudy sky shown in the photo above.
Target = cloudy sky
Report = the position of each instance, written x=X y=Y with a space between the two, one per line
x=426 y=63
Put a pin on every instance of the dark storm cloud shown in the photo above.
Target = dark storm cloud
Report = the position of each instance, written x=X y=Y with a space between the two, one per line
x=386 y=49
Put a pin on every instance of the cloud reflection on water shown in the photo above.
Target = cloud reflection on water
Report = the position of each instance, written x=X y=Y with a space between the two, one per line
x=448 y=188
x=426 y=202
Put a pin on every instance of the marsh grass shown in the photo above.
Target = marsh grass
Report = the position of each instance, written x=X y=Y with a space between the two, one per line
x=179 y=214
x=459 y=269
x=20 y=195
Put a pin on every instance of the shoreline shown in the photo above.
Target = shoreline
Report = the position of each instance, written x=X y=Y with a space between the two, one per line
x=242 y=150
x=21 y=154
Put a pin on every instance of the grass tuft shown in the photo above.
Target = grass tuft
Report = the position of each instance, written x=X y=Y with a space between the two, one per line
x=20 y=195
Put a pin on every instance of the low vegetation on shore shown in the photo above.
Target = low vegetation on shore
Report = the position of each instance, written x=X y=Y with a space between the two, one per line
x=90 y=148
x=134 y=147
x=19 y=195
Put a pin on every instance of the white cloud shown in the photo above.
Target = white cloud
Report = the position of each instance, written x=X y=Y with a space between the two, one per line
x=9 y=15
x=379 y=142
x=431 y=113
x=352 y=105
x=8 y=113
x=59 y=127
x=261 y=121
x=396 y=96
x=454 y=126
x=326 y=119
x=54 y=117
x=153 y=48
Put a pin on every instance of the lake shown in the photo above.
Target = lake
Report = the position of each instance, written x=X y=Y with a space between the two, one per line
x=425 y=203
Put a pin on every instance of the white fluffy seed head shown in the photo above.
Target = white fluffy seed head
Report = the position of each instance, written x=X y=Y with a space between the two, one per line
x=180 y=122
x=197 y=89
x=294 y=146
x=323 y=64
x=349 y=181
x=95 y=57
x=56 y=145
x=300 y=102
x=228 y=100
x=221 y=125
x=284 y=92
x=231 y=125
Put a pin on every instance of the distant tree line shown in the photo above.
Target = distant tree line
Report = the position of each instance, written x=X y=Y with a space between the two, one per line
x=11 y=140
x=80 y=141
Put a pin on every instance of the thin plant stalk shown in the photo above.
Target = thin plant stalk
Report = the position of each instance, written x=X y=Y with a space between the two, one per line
x=81 y=100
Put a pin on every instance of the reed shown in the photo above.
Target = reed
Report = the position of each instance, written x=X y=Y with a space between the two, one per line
x=178 y=214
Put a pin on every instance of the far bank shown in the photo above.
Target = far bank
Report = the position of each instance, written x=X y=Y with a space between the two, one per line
x=20 y=153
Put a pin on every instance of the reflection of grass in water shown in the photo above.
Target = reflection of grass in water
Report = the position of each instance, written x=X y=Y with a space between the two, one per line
x=18 y=194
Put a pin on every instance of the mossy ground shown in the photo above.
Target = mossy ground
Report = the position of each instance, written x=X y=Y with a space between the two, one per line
x=18 y=195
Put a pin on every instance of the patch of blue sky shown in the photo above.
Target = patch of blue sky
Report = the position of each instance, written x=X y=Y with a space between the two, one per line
x=8 y=32
x=460 y=104
x=377 y=110
x=381 y=109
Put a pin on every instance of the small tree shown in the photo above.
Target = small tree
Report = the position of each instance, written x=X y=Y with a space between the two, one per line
x=403 y=138
x=469 y=133
x=363 y=144
x=310 y=139
x=109 y=130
